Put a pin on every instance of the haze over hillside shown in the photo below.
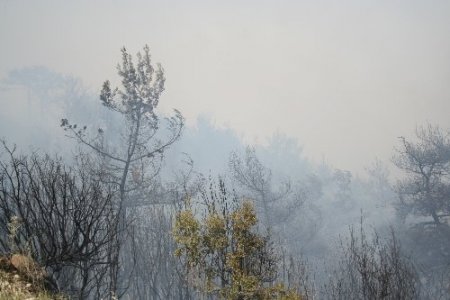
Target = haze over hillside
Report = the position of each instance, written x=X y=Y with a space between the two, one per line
x=235 y=150
x=344 y=79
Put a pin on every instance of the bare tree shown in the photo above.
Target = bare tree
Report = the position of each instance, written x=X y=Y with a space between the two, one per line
x=143 y=142
x=426 y=163
x=137 y=159
x=255 y=178
x=425 y=192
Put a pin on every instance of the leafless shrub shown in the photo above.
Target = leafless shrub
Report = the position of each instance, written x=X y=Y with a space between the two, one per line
x=373 y=268
x=68 y=220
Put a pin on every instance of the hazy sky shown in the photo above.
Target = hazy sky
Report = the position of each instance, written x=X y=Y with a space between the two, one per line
x=344 y=77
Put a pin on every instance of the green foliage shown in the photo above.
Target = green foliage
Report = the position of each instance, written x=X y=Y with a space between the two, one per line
x=224 y=254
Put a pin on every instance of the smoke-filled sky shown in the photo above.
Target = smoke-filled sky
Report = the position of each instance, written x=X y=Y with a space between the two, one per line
x=344 y=77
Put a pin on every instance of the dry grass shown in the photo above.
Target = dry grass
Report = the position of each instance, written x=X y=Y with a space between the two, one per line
x=16 y=284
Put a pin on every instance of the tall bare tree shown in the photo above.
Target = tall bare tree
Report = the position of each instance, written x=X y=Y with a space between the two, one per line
x=137 y=158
